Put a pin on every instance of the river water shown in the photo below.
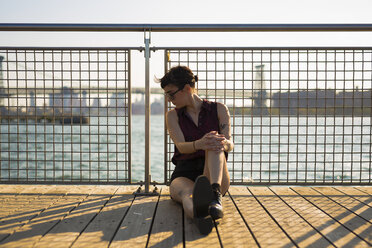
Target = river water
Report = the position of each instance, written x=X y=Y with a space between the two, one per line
x=328 y=146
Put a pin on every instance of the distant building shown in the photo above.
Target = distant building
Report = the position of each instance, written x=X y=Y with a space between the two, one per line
x=67 y=101
x=32 y=99
x=2 y=91
x=97 y=103
x=157 y=107
x=138 y=107
x=83 y=102
x=32 y=107
x=117 y=105
x=291 y=102
x=97 y=108
x=259 y=92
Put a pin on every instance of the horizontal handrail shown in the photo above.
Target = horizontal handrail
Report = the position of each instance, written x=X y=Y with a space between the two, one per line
x=185 y=27
x=259 y=48
x=69 y=48
x=155 y=48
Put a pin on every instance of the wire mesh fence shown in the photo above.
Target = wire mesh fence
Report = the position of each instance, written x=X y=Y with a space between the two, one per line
x=299 y=115
x=65 y=115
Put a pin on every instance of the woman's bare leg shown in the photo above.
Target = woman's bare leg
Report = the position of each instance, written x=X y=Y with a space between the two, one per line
x=215 y=169
x=181 y=191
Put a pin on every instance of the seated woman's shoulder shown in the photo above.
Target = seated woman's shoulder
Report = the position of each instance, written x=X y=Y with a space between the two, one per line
x=221 y=106
x=222 y=109
x=171 y=113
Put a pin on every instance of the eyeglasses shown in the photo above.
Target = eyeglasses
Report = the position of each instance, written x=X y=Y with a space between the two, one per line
x=171 y=95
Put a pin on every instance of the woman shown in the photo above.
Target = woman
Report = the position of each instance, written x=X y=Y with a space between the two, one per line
x=200 y=130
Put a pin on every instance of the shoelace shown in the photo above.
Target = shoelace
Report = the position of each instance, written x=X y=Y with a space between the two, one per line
x=216 y=197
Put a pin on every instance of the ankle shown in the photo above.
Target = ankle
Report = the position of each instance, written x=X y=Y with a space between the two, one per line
x=216 y=187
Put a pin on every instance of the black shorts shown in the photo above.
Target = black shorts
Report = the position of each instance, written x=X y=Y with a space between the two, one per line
x=191 y=169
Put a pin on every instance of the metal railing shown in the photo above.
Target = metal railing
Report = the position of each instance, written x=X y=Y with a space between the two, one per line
x=65 y=115
x=299 y=115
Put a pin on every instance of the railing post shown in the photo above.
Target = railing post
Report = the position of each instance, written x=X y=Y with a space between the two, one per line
x=147 y=112
x=147 y=36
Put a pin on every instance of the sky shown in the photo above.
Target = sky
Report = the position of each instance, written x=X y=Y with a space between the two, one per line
x=192 y=11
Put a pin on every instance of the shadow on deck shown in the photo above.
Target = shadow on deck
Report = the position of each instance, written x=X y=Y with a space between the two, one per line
x=102 y=216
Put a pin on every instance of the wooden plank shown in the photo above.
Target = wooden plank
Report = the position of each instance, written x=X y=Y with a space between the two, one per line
x=74 y=189
x=265 y=230
x=167 y=227
x=38 y=189
x=193 y=238
x=26 y=194
x=303 y=234
x=366 y=189
x=30 y=207
x=24 y=209
x=29 y=234
x=107 y=189
x=4 y=188
x=102 y=229
x=13 y=188
x=8 y=193
x=21 y=199
x=20 y=203
x=4 y=197
x=350 y=220
x=13 y=222
x=348 y=202
x=357 y=194
x=328 y=227
x=134 y=230
x=76 y=220
x=12 y=194
x=16 y=204
x=232 y=230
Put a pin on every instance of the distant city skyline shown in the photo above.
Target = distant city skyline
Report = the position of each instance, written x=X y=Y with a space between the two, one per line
x=30 y=73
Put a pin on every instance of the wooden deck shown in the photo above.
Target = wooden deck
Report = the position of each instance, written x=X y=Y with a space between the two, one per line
x=102 y=216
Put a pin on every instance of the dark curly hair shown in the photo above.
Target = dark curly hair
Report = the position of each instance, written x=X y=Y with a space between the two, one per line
x=178 y=76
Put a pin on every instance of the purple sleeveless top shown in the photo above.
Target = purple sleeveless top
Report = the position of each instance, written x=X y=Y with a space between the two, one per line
x=208 y=121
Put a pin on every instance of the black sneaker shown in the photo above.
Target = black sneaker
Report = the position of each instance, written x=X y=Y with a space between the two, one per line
x=202 y=197
x=204 y=224
x=215 y=208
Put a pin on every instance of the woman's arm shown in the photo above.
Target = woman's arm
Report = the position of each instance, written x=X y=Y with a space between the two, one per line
x=176 y=134
x=225 y=126
x=210 y=141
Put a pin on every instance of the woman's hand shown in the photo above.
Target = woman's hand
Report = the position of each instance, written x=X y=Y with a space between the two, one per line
x=212 y=141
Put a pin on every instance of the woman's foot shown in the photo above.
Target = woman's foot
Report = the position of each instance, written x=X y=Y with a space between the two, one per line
x=204 y=224
x=202 y=197
x=215 y=207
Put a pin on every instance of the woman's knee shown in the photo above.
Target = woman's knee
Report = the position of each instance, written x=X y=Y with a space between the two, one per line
x=215 y=157
x=181 y=187
x=215 y=153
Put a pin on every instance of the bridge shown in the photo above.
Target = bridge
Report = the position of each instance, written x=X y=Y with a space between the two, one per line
x=238 y=93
